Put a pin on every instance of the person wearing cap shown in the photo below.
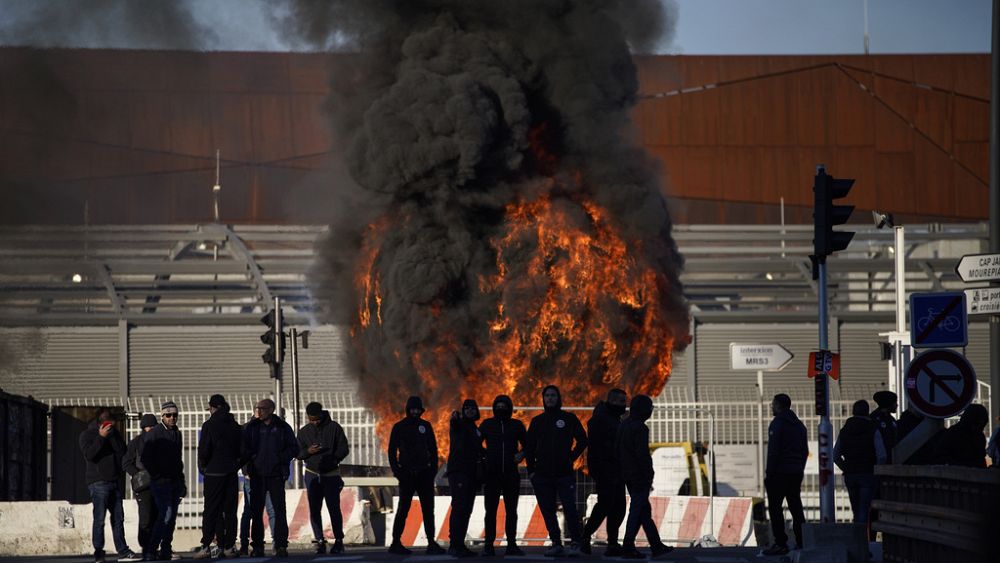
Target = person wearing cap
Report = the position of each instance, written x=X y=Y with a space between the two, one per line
x=465 y=461
x=219 y=459
x=885 y=425
x=413 y=458
x=505 y=439
x=270 y=446
x=146 y=508
x=162 y=456
x=323 y=446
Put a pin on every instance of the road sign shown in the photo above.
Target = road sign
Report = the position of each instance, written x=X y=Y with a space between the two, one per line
x=979 y=267
x=940 y=383
x=824 y=361
x=937 y=320
x=982 y=301
x=758 y=357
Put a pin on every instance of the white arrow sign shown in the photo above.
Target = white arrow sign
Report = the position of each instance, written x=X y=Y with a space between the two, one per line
x=979 y=267
x=758 y=357
x=982 y=301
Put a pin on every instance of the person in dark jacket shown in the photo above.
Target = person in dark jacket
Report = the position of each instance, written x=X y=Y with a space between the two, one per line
x=787 y=452
x=505 y=441
x=219 y=460
x=161 y=455
x=269 y=445
x=103 y=449
x=145 y=506
x=636 y=464
x=854 y=454
x=465 y=457
x=964 y=444
x=555 y=440
x=885 y=425
x=602 y=462
x=323 y=445
x=247 y=516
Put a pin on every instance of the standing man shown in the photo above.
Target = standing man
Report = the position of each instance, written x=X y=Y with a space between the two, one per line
x=854 y=454
x=555 y=439
x=413 y=457
x=219 y=459
x=786 y=463
x=885 y=424
x=505 y=441
x=465 y=458
x=636 y=462
x=602 y=462
x=103 y=449
x=162 y=456
x=270 y=446
x=323 y=445
x=143 y=498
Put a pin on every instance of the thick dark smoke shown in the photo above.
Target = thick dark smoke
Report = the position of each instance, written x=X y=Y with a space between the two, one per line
x=443 y=113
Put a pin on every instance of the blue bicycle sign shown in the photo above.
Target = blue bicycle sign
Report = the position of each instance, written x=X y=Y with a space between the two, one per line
x=938 y=320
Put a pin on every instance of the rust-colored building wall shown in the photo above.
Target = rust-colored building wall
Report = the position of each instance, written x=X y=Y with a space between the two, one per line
x=134 y=133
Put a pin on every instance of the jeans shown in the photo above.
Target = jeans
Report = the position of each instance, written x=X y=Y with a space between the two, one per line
x=107 y=497
x=510 y=486
x=319 y=489
x=547 y=491
x=861 y=490
x=463 y=495
x=260 y=488
x=245 y=517
x=167 y=497
x=147 y=515
x=219 y=517
x=640 y=514
x=610 y=505
x=423 y=485
x=779 y=488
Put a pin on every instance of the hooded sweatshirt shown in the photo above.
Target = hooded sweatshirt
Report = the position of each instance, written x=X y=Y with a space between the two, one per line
x=632 y=442
x=466 y=451
x=504 y=436
x=329 y=434
x=787 y=449
x=103 y=456
x=854 y=452
x=550 y=450
x=412 y=447
x=220 y=445
x=964 y=443
x=602 y=431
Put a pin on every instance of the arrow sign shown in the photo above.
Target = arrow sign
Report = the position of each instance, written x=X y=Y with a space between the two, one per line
x=758 y=357
x=979 y=267
x=940 y=383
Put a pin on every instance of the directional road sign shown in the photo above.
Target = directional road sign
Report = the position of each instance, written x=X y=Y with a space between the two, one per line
x=758 y=357
x=940 y=383
x=937 y=320
x=979 y=267
x=982 y=301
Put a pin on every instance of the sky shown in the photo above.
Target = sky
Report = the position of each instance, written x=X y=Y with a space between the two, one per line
x=705 y=27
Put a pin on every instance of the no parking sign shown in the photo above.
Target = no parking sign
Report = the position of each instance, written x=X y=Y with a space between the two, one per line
x=940 y=383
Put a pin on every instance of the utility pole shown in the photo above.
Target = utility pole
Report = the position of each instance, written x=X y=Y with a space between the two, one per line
x=995 y=201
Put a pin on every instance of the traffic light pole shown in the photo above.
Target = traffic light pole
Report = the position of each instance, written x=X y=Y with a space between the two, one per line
x=294 y=351
x=277 y=334
x=827 y=509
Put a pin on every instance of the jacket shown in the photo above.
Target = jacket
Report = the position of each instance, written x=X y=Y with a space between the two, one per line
x=854 y=451
x=102 y=456
x=466 y=446
x=161 y=453
x=962 y=445
x=504 y=437
x=269 y=448
x=632 y=443
x=131 y=462
x=550 y=450
x=602 y=431
x=412 y=448
x=329 y=434
x=885 y=427
x=220 y=447
x=787 y=449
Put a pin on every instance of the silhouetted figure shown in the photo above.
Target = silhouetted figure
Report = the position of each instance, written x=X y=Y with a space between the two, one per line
x=219 y=459
x=964 y=444
x=145 y=506
x=505 y=442
x=103 y=449
x=854 y=454
x=323 y=446
x=465 y=459
x=270 y=445
x=885 y=425
x=787 y=452
x=602 y=462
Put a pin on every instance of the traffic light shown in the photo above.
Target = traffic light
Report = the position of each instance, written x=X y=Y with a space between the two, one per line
x=826 y=215
x=274 y=337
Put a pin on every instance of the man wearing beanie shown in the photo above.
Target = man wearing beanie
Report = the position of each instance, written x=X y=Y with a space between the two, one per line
x=161 y=455
x=602 y=463
x=505 y=437
x=413 y=458
x=323 y=445
x=219 y=458
x=885 y=425
x=465 y=458
x=636 y=463
x=269 y=445
x=146 y=508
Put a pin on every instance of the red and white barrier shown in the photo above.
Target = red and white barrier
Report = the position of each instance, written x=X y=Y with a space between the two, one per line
x=357 y=522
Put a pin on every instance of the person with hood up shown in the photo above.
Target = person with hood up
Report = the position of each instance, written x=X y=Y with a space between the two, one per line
x=636 y=463
x=413 y=458
x=885 y=425
x=269 y=445
x=602 y=462
x=787 y=451
x=103 y=449
x=505 y=441
x=964 y=443
x=465 y=461
x=219 y=460
x=854 y=454
x=555 y=440
x=162 y=457
x=145 y=507
x=323 y=446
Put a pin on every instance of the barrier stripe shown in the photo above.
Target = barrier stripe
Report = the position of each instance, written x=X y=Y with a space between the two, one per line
x=300 y=519
x=658 y=509
x=536 y=528
x=501 y=526
x=694 y=519
x=737 y=512
x=414 y=521
x=445 y=530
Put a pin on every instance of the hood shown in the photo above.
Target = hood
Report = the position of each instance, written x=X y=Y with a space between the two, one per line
x=606 y=408
x=148 y=420
x=641 y=408
x=975 y=417
x=558 y=403
x=470 y=403
x=789 y=414
x=503 y=414
x=857 y=425
x=413 y=402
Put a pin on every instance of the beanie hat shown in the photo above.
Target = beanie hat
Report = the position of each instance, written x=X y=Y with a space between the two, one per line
x=168 y=405
x=216 y=401
x=148 y=420
x=884 y=399
x=314 y=409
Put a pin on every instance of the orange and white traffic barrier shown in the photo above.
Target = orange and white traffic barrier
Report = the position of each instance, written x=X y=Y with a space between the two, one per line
x=529 y=522
x=682 y=520
x=357 y=523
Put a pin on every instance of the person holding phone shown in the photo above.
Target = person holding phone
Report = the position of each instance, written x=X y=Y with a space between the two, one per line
x=323 y=445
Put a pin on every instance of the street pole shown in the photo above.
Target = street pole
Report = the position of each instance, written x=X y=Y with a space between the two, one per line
x=760 y=432
x=995 y=201
x=827 y=510
x=294 y=351
x=901 y=350
x=277 y=334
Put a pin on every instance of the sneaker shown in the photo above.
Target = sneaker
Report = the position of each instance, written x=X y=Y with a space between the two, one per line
x=129 y=555
x=660 y=550
x=554 y=551
x=514 y=551
x=203 y=552
x=399 y=549
x=572 y=550
x=776 y=550
x=99 y=556
x=257 y=552
x=232 y=553
x=281 y=552
x=434 y=548
x=216 y=552
x=585 y=546
x=489 y=550
x=337 y=547
x=244 y=550
x=630 y=552
x=319 y=547
x=613 y=550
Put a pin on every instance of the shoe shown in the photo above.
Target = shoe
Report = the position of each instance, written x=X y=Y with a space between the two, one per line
x=281 y=552
x=203 y=552
x=99 y=556
x=572 y=550
x=434 y=548
x=514 y=551
x=613 y=550
x=319 y=547
x=232 y=553
x=489 y=550
x=244 y=550
x=630 y=552
x=460 y=552
x=337 y=547
x=129 y=556
x=660 y=550
x=398 y=549
x=256 y=552
x=585 y=546
x=776 y=550
x=554 y=551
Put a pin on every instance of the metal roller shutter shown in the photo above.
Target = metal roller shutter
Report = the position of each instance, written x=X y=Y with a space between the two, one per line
x=860 y=354
x=978 y=351
x=323 y=367
x=61 y=362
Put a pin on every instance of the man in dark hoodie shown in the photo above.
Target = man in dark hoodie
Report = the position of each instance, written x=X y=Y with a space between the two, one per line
x=269 y=444
x=555 y=440
x=413 y=458
x=636 y=463
x=465 y=458
x=145 y=506
x=161 y=455
x=964 y=443
x=219 y=459
x=787 y=452
x=103 y=449
x=885 y=424
x=854 y=454
x=505 y=441
x=323 y=445
x=602 y=462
